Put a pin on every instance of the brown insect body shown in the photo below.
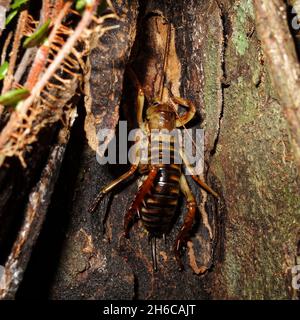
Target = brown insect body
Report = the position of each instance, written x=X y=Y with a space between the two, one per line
x=159 y=205
x=161 y=116
x=156 y=200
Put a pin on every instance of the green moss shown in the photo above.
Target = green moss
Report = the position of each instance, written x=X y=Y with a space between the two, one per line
x=212 y=87
x=264 y=210
x=244 y=11
x=241 y=42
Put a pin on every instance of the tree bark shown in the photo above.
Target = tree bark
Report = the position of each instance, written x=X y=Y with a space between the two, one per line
x=219 y=59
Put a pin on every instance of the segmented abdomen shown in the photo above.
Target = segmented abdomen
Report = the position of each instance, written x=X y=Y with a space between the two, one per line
x=159 y=205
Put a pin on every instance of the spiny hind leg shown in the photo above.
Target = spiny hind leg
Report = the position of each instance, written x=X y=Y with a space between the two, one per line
x=111 y=186
x=133 y=211
x=134 y=166
x=184 y=232
x=195 y=177
x=206 y=187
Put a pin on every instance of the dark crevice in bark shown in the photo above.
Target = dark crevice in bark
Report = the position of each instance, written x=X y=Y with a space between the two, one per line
x=224 y=83
x=43 y=264
x=19 y=181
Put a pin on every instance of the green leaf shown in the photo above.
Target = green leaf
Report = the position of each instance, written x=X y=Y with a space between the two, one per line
x=18 y=3
x=15 y=8
x=80 y=5
x=37 y=37
x=3 y=70
x=12 y=97
x=11 y=16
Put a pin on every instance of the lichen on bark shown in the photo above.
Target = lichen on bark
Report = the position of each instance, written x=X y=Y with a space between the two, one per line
x=259 y=178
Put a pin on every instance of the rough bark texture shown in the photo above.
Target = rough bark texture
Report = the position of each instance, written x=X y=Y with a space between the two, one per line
x=216 y=60
x=96 y=262
x=254 y=161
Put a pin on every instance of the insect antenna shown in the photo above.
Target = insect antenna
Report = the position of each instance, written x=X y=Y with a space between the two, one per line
x=184 y=126
x=165 y=62
x=163 y=76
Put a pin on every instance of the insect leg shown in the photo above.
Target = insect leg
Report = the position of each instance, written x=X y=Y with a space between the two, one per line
x=195 y=177
x=205 y=186
x=112 y=185
x=140 y=100
x=187 y=116
x=136 y=204
x=183 y=234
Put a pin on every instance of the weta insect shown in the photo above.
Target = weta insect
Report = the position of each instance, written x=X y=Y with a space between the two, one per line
x=156 y=200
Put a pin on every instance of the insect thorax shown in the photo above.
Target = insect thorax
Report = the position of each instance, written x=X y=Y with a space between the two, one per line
x=161 y=116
